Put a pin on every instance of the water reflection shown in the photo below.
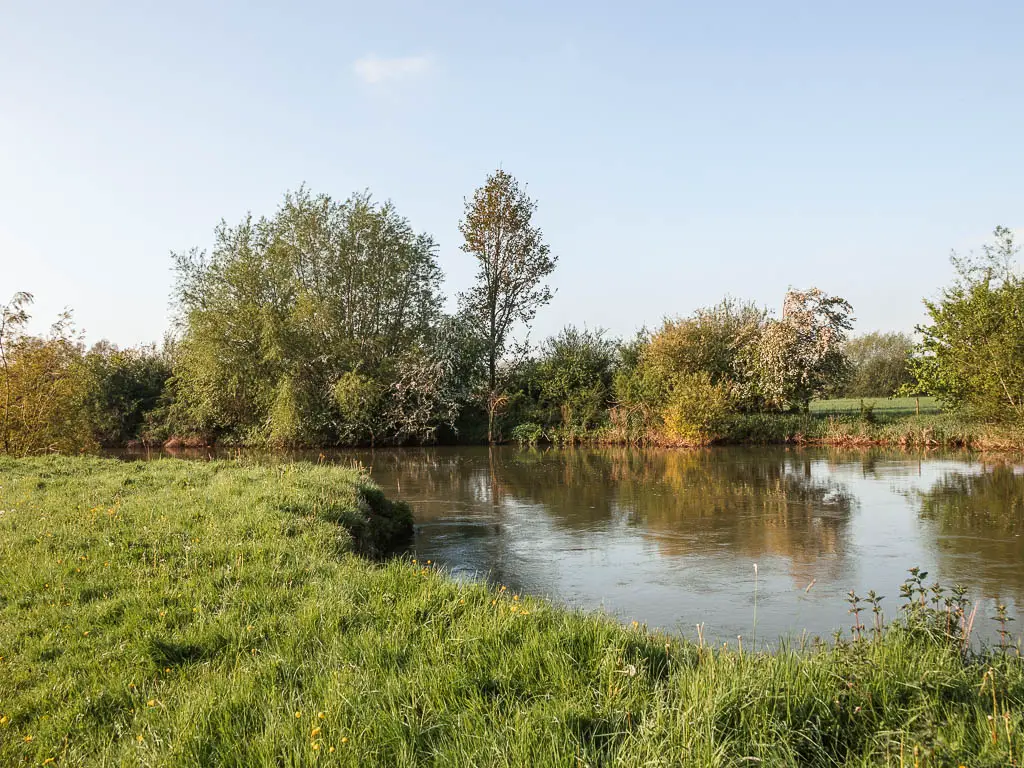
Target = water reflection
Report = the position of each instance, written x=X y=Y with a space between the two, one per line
x=670 y=537
x=977 y=522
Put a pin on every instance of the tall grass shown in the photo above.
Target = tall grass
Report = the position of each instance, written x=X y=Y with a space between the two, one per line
x=184 y=614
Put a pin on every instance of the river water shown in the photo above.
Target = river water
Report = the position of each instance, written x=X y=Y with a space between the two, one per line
x=670 y=538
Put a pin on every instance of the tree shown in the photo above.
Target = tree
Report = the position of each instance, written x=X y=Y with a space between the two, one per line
x=13 y=318
x=972 y=352
x=295 y=319
x=879 y=364
x=512 y=263
x=710 y=342
x=125 y=386
x=574 y=375
x=801 y=355
x=43 y=383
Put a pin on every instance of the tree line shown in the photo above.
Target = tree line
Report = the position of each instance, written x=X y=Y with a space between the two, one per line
x=324 y=324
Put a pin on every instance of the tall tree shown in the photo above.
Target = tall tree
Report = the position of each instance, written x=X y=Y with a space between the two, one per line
x=295 y=327
x=513 y=261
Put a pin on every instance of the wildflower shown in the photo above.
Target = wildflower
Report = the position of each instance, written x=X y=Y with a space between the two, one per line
x=344 y=739
x=3 y=720
x=85 y=633
x=314 y=733
x=151 y=703
x=162 y=614
x=298 y=715
x=315 y=746
x=50 y=761
x=28 y=739
x=167 y=670
x=139 y=738
x=515 y=598
x=636 y=624
x=320 y=715
x=331 y=749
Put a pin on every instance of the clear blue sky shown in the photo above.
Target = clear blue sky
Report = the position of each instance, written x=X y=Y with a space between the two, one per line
x=678 y=151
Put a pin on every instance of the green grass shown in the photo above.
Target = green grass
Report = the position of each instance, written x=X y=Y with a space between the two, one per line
x=191 y=614
x=925 y=431
x=889 y=406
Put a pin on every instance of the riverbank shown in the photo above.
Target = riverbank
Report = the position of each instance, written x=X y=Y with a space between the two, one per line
x=911 y=431
x=190 y=613
x=885 y=429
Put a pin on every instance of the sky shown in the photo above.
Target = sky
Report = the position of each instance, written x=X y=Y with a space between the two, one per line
x=678 y=152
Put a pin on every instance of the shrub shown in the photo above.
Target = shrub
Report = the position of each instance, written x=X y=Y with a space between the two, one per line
x=696 y=410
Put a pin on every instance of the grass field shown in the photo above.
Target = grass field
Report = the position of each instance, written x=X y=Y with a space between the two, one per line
x=173 y=613
x=889 y=406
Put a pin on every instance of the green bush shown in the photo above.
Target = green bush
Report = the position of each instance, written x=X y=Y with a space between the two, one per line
x=696 y=410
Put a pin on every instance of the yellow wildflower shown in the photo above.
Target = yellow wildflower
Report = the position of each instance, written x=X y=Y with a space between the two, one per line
x=298 y=715
x=320 y=715
x=314 y=733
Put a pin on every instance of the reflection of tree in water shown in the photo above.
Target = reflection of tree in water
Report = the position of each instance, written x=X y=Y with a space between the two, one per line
x=747 y=503
x=980 y=517
x=763 y=502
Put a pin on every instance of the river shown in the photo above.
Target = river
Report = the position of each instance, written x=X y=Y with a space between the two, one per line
x=671 y=538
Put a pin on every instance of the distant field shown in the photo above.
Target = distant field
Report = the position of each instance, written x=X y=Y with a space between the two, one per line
x=895 y=406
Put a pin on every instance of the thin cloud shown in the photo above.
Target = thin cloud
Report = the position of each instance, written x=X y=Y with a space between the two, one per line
x=374 y=70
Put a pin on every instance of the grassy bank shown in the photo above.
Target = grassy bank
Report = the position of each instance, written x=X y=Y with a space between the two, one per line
x=909 y=431
x=179 y=614
x=893 y=428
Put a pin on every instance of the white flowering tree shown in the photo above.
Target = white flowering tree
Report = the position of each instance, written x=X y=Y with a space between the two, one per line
x=798 y=356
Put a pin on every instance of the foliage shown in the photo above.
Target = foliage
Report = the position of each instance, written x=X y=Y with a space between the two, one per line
x=696 y=410
x=972 y=352
x=710 y=342
x=183 y=614
x=528 y=433
x=43 y=385
x=512 y=263
x=879 y=364
x=800 y=355
x=574 y=376
x=125 y=389
x=286 y=310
